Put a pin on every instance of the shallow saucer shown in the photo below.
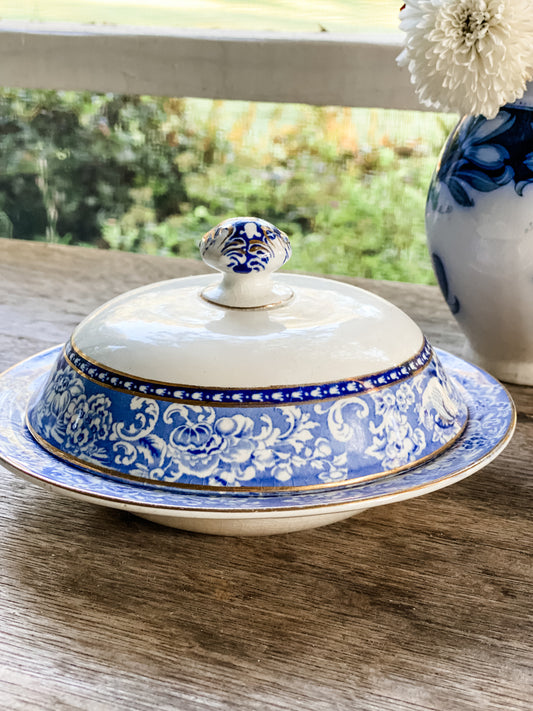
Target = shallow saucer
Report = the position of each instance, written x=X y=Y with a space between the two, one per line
x=491 y=423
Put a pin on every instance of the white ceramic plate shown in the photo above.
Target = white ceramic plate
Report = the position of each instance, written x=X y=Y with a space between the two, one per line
x=490 y=427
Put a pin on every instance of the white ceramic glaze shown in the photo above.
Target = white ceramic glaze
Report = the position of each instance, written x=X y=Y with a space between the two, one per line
x=248 y=525
x=246 y=258
x=488 y=252
x=168 y=333
x=262 y=330
x=479 y=221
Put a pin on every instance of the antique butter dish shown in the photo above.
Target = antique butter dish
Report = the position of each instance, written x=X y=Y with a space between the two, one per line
x=250 y=381
x=249 y=402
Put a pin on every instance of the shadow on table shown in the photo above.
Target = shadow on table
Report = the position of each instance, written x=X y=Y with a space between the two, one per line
x=355 y=598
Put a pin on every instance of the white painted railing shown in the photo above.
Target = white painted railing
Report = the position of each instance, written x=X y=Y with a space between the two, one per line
x=318 y=68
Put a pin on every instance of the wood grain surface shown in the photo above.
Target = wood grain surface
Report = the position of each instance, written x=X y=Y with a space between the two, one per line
x=424 y=604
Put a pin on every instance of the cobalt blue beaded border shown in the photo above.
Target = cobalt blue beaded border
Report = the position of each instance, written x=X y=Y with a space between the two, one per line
x=247 y=397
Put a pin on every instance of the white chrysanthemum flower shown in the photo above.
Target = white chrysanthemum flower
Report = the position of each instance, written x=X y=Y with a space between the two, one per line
x=468 y=56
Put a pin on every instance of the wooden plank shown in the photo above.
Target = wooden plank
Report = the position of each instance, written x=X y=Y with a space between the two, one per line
x=422 y=605
x=312 y=68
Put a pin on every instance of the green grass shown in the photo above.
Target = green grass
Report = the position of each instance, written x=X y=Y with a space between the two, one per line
x=276 y=15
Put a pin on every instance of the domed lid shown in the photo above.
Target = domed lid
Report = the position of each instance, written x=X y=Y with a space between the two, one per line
x=248 y=329
x=247 y=381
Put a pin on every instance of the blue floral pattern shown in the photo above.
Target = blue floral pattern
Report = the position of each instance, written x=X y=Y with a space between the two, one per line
x=176 y=444
x=481 y=156
x=528 y=178
x=442 y=279
x=245 y=244
x=489 y=429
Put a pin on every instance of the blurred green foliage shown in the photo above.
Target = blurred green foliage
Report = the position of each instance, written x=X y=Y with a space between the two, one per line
x=70 y=161
x=152 y=175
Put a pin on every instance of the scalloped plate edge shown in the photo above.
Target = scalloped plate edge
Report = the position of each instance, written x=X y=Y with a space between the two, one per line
x=318 y=508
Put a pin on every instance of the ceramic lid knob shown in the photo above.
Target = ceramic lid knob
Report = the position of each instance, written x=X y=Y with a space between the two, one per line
x=246 y=250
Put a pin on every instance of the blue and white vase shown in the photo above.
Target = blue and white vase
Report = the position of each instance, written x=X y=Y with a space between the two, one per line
x=479 y=223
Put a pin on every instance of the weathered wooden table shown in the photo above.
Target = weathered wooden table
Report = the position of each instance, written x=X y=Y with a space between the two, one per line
x=424 y=604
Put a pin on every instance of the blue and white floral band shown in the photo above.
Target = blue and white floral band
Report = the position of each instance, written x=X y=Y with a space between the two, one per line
x=136 y=435
x=243 y=397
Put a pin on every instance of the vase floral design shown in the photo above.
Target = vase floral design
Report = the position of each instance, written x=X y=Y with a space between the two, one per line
x=479 y=223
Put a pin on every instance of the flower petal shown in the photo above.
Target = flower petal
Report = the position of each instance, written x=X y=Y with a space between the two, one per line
x=470 y=56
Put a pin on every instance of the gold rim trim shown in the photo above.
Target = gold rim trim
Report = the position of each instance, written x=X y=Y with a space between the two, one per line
x=91 y=496
x=210 y=403
x=261 y=307
x=155 y=484
x=236 y=403
x=461 y=473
